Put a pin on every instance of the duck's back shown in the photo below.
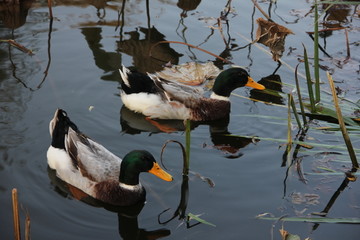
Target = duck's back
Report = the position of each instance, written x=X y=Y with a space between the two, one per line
x=92 y=159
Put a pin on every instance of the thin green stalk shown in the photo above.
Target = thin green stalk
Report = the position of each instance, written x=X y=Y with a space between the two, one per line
x=313 y=219
x=299 y=96
x=342 y=124
x=289 y=143
x=308 y=81
x=187 y=147
x=312 y=144
x=316 y=54
x=291 y=98
x=339 y=2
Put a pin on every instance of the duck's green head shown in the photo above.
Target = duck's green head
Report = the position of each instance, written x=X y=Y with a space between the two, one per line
x=232 y=78
x=138 y=161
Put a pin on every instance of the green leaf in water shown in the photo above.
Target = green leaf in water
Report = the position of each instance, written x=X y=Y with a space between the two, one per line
x=314 y=219
x=327 y=112
x=326 y=169
x=197 y=218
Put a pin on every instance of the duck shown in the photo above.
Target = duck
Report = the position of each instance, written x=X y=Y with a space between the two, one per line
x=90 y=167
x=159 y=98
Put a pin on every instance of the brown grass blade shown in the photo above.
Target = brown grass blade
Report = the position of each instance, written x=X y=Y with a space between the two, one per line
x=342 y=124
x=16 y=219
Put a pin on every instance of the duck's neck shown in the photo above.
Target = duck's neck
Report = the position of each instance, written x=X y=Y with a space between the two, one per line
x=218 y=97
x=129 y=177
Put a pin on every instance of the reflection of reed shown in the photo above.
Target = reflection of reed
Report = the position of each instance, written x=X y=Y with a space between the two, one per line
x=181 y=209
x=49 y=54
x=296 y=161
x=336 y=194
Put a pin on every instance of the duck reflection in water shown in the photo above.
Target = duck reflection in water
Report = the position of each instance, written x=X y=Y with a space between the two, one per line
x=144 y=41
x=273 y=87
x=135 y=46
x=127 y=216
x=136 y=123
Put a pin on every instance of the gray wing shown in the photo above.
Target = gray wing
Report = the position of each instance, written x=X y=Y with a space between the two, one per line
x=93 y=160
x=188 y=95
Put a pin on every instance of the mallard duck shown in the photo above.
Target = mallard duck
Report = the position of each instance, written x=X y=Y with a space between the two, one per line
x=90 y=167
x=158 y=98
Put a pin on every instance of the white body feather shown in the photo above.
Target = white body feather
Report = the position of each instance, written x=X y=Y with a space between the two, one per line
x=59 y=160
x=152 y=105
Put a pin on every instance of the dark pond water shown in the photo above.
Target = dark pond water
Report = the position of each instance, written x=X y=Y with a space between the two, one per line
x=74 y=66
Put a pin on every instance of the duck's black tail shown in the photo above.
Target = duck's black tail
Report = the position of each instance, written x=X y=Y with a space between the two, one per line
x=135 y=82
x=59 y=127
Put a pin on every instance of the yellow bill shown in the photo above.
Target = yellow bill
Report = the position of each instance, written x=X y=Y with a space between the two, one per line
x=160 y=173
x=253 y=84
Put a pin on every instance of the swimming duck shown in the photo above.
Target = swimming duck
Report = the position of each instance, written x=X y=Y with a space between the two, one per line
x=158 y=98
x=90 y=167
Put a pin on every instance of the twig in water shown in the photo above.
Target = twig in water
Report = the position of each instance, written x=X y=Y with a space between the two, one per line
x=18 y=46
x=262 y=11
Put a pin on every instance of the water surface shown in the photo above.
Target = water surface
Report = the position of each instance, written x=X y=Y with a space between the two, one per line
x=74 y=67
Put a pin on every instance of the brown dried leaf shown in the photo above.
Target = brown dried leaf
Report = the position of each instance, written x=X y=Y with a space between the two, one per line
x=285 y=235
x=273 y=36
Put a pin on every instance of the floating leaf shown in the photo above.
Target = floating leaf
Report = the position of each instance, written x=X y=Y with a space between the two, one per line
x=307 y=198
x=205 y=179
x=273 y=36
x=197 y=218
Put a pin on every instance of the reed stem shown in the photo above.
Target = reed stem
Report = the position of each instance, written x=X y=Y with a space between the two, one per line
x=289 y=140
x=316 y=53
x=50 y=9
x=299 y=96
x=16 y=219
x=291 y=98
x=187 y=147
x=308 y=81
x=27 y=226
x=342 y=124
